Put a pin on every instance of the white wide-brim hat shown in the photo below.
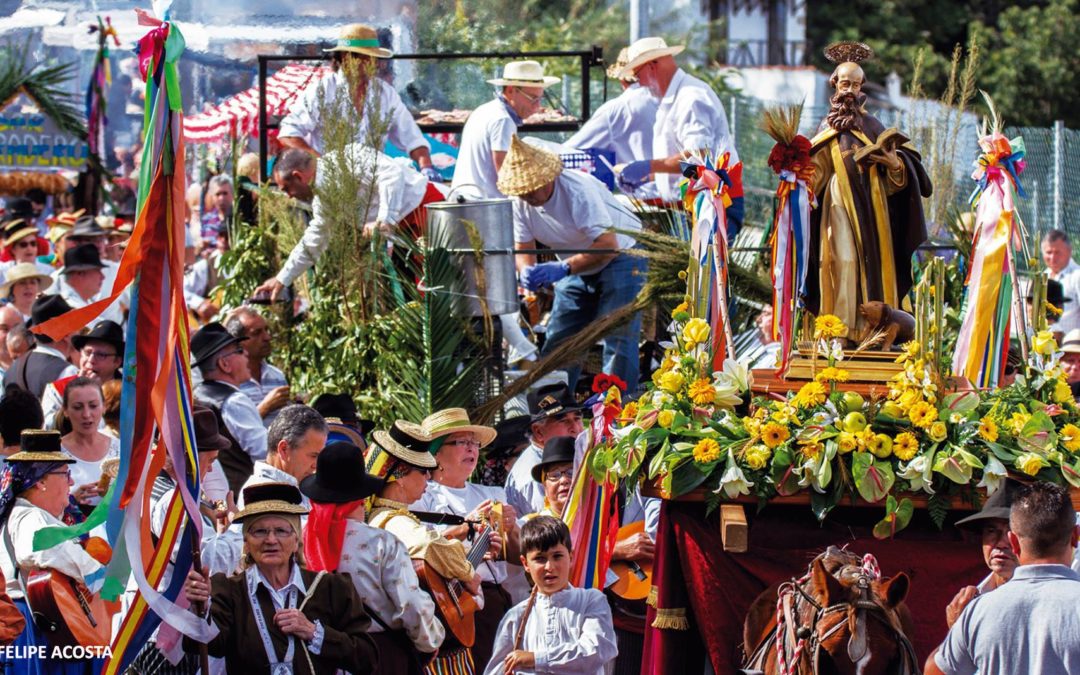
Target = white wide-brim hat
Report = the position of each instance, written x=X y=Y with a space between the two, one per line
x=524 y=74
x=1071 y=342
x=645 y=50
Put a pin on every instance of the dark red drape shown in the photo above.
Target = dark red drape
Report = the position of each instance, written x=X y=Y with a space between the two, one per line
x=717 y=587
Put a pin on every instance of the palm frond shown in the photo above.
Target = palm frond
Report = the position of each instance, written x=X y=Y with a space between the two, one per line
x=46 y=85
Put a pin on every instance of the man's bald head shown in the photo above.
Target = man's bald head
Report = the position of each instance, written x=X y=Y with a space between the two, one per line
x=848 y=76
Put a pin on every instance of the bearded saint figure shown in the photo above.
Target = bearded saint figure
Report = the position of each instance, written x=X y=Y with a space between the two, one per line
x=869 y=220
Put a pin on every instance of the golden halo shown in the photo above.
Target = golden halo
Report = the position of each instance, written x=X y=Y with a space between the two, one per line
x=848 y=52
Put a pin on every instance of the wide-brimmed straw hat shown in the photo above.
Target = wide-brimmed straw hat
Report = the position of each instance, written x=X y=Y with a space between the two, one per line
x=614 y=71
x=527 y=168
x=451 y=421
x=405 y=446
x=360 y=38
x=22 y=272
x=645 y=50
x=524 y=74
x=271 y=499
x=1070 y=344
x=17 y=228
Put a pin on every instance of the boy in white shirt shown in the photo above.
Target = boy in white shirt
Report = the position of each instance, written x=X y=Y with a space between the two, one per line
x=566 y=629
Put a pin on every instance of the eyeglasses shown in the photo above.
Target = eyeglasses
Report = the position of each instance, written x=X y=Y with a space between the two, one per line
x=93 y=355
x=279 y=533
x=556 y=476
x=463 y=443
x=423 y=469
x=65 y=472
x=25 y=243
x=529 y=97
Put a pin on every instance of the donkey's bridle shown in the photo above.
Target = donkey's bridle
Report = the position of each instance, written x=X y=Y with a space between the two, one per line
x=795 y=641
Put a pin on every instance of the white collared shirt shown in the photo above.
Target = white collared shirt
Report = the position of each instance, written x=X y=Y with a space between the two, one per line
x=305 y=118
x=264 y=473
x=243 y=421
x=111 y=313
x=399 y=190
x=690 y=117
x=623 y=125
x=1069 y=278
x=523 y=492
x=568 y=632
x=279 y=596
x=68 y=557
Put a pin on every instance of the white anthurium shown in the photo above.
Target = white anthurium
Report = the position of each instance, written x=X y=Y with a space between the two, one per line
x=733 y=483
x=919 y=471
x=666 y=344
x=994 y=474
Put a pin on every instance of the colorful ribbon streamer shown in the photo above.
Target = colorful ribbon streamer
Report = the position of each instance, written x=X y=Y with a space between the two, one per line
x=790 y=252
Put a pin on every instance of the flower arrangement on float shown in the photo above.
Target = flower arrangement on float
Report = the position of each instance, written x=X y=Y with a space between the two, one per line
x=692 y=429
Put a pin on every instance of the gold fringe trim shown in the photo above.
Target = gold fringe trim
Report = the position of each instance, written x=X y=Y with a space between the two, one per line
x=651 y=600
x=671 y=619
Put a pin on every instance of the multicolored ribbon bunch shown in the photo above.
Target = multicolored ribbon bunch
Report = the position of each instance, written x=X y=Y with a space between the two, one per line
x=790 y=237
x=709 y=185
x=983 y=343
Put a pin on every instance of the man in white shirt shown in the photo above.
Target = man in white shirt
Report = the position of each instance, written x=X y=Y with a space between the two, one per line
x=399 y=192
x=623 y=125
x=293 y=444
x=570 y=210
x=224 y=367
x=1057 y=254
x=84 y=275
x=554 y=413
x=268 y=388
x=690 y=120
x=353 y=57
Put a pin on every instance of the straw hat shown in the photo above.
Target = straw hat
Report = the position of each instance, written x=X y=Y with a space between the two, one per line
x=68 y=218
x=645 y=50
x=614 y=71
x=16 y=229
x=405 y=446
x=21 y=272
x=524 y=74
x=527 y=168
x=1071 y=343
x=360 y=38
x=451 y=421
x=271 y=498
x=40 y=445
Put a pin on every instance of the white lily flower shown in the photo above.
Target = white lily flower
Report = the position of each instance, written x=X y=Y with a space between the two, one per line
x=733 y=483
x=994 y=473
x=734 y=374
x=920 y=472
x=835 y=351
x=727 y=396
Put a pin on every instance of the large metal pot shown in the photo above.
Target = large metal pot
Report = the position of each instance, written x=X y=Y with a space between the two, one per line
x=494 y=221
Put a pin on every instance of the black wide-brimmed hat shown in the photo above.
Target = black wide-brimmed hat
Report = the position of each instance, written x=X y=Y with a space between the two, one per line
x=559 y=450
x=209 y=340
x=103 y=331
x=551 y=400
x=271 y=499
x=996 y=507
x=87 y=226
x=510 y=437
x=80 y=258
x=208 y=436
x=47 y=307
x=341 y=407
x=339 y=476
x=405 y=447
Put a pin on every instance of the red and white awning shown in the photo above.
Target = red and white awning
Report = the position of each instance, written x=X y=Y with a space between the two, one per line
x=240 y=113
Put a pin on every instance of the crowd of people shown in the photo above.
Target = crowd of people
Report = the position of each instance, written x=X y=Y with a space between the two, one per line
x=329 y=545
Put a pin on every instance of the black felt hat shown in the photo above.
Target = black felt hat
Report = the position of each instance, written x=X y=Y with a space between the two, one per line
x=559 y=450
x=47 y=307
x=82 y=257
x=551 y=400
x=510 y=437
x=342 y=407
x=208 y=435
x=104 y=331
x=88 y=226
x=339 y=476
x=209 y=340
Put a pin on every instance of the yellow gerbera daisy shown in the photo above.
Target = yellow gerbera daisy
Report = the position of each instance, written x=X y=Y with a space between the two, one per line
x=905 y=446
x=923 y=414
x=773 y=434
x=988 y=429
x=832 y=374
x=828 y=326
x=810 y=395
x=702 y=391
x=707 y=450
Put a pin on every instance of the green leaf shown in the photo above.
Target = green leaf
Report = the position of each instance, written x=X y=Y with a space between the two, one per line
x=1071 y=473
x=954 y=467
x=821 y=503
x=897 y=517
x=961 y=402
x=686 y=477
x=873 y=479
x=656 y=464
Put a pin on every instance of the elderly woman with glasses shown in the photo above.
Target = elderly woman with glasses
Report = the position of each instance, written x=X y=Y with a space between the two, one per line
x=401 y=457
x=275 y=616
x=35 y=484
x=456 y=443
x=555 y=472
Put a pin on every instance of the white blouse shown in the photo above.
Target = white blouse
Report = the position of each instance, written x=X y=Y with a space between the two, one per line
x=568 y=632
x=67 y=557
x=384 y=578
x=83 y=471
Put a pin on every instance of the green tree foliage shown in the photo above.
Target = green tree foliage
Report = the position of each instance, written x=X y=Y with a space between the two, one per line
x=1032 y=64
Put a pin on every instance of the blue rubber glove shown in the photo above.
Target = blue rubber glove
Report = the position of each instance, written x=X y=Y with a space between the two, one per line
x=635 y=174
x=432 y=174
x=544 y=274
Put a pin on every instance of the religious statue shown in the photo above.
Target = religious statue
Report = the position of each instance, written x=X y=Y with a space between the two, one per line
x=869 y=183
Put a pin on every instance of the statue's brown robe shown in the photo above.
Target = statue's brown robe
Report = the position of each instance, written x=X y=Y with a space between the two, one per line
x=868 y=223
